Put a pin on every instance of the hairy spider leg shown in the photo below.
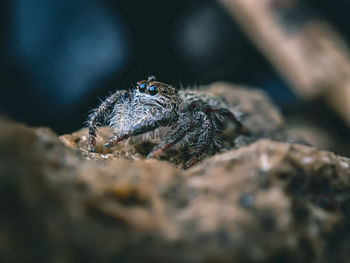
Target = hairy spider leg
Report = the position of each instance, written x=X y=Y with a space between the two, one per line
x=242 y=130
x=185 y=126
x=204 y=133
x=182 y=129
x=200 y=128
x=100 y=113
x=141 y=128
x=224 y=112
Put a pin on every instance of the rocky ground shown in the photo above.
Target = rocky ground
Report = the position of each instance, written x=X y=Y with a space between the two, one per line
x=268 y=199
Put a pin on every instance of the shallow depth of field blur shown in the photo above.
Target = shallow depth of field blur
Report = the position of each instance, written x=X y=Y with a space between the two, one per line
x=59 y=58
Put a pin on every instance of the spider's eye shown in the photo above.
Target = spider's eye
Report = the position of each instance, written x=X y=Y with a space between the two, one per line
x=142 y=87
x=164 y=91
x=153 y=90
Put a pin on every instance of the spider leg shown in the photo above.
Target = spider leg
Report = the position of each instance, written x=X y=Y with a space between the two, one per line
x=204 y=133
x=200 y=128
x=194 y=159
x=141 y=128
x=100 y=113
x=172 y=139
x=242 y=130
x=224 y=112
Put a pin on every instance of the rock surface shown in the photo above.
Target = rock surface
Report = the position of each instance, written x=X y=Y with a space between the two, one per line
x=267 y=201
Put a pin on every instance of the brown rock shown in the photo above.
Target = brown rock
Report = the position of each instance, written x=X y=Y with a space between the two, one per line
x=266 y=202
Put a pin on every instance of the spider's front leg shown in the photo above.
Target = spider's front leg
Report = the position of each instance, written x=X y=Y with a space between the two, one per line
x=143 y=127
x=98 y=115
x=199 y=129
x=184 y=125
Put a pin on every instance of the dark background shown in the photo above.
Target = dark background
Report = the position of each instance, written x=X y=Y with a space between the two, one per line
x=59 y=56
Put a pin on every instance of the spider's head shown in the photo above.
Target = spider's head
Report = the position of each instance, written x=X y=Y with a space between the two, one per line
x=152 y=90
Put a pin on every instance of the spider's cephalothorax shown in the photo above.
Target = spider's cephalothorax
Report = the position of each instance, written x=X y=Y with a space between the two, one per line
x=186 y=117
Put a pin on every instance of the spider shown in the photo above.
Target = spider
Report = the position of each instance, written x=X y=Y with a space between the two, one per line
x=176 y=117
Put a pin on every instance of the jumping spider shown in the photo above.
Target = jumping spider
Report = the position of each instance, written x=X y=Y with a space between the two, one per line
x=177 y=117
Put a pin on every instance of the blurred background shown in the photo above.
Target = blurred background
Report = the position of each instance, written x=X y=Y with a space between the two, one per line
x=60 y=57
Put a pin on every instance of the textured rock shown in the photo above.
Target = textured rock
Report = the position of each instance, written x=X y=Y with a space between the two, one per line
x=266 y=202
